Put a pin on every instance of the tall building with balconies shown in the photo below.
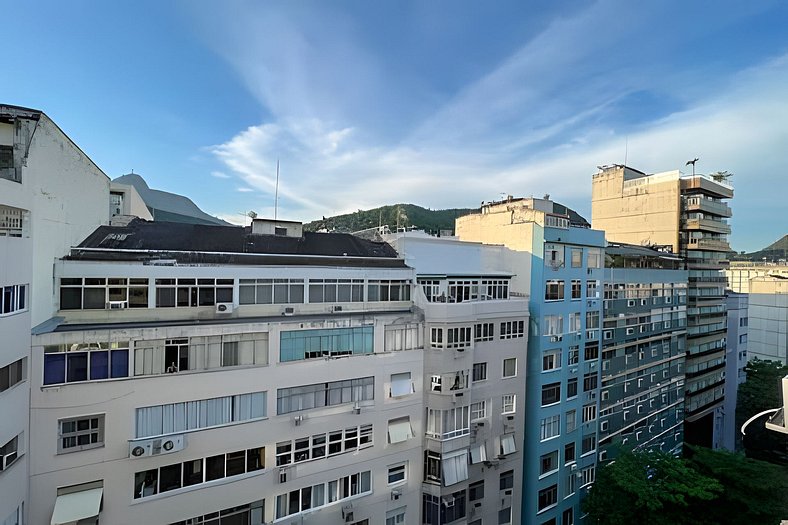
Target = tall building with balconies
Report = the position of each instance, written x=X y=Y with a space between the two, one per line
x=644 y=331
x=558 y=262
x=209 y=374
x=474 y=379
x=689 y=214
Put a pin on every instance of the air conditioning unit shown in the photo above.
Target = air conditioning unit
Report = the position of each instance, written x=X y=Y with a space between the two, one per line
x=555 y=339
x=224 y=308
x=347 y=513
x=8 y=459
x=282 y=475
x=461 y=349
x=396 y=494
x=573 y=467
x=156 y=447
x=117 y=305
x=288 y=311
x=298 y=420
x=336 y=308
x=448 y=501
x=356 y=408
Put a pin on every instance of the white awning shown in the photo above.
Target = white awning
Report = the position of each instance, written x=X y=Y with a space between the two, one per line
x=70 y=508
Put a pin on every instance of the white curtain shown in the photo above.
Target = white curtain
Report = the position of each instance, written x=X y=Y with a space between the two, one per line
x=455 y=467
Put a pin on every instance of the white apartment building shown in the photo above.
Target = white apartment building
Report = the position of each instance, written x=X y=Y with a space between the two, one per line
x=474 y=379
x=768 y=318
x=51 y=196
x=203 y=374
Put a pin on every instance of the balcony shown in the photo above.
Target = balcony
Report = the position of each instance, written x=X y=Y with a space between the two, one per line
x=707 y=205
x=708 y=244
x=707 y=225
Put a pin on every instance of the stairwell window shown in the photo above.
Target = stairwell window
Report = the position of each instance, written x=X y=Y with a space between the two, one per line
x=509 y=403
x=80 y=433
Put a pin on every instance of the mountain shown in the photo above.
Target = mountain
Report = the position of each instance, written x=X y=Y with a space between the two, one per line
x=775 y=251
x=393 y=215
x=166 y=206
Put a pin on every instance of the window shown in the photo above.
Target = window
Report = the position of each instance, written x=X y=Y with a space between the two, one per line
x=548 y=463
x=10 y=452
x=483 y=332
x=478 y=410
x=159 y=356
x=85 y=362
x=403 y=337
x=574 y=354
x=506 y=480
x=592 y=289
x=454 y=467
x=512 y=329
x=510 y=367
x=396 y=516
x=479 y=371
x=460 y=291
x=295 y=399
x=401 y=385
x=13 y=374
x=587 y=475
x=553 y=325
x=551 y=359
x=591 y=352
x=589 y=413
x=249 y=513
x=569 y=453
x=336 y=290
x=432 y=466
x=577 y=257
x=102 y=293
x=476 y=491
x=571 y=388
x=743 y=338
x=398 y=473
x=271 y=291
x=388 y=290
x=505 y=516
x=324 y=444
x=448 y=424
x=551 y=393
x=508 y=445
x=194 y=472
x=554 y=290
x=588 y=444
x=399 y=430
x=495 y=288
x=594 y=258
x=458 y=337
x=554 y=256
x=509 y=403
x=568 y=517
x=550 y=427
x=589 y=382
x=315 y=496
x=436 y=337
x=547 y=498
x=13 y=299
x=196 y=415
x=577 y=288
x=592 y=319
x=431 y=509
x=333 y=342
x=80 y=433
x=571 y=420
x=14 y=222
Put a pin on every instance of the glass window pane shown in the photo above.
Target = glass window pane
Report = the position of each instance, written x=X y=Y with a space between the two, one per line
x=77 y=366
x=54 y=369
x=99 y=365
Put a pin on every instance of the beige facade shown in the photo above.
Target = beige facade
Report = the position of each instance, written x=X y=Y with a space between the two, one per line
x=740 y=273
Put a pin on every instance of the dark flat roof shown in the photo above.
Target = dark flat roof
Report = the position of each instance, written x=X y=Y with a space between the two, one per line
x=142 y=240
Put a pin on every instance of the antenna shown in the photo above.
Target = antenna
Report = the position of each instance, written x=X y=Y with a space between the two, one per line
x=276 y=195
x=626 y=149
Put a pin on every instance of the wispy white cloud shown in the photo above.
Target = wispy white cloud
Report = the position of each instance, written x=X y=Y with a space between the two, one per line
x=219 y=175
x=244 y=190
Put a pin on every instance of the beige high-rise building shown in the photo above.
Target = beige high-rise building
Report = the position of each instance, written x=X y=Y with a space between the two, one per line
x=687 y=213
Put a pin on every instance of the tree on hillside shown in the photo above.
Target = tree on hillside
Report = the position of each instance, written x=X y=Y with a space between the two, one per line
x=755 y=491
x=760 y=392
x=649 y=488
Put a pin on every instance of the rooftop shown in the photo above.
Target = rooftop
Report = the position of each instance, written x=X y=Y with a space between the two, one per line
x=182 y=243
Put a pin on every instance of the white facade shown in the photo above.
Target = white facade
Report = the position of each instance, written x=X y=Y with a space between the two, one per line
x=474 y=360
x=768 y=323
x=735 y=361
x=51 y=196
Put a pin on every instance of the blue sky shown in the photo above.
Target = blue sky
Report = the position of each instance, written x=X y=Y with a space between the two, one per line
x=439 y=103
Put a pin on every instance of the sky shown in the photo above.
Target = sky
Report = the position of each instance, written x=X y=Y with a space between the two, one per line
x=437 y=103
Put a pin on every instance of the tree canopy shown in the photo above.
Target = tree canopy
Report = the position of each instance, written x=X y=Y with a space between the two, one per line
x=760 y=392
x=708 y=487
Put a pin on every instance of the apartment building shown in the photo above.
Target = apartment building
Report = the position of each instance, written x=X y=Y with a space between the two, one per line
x=737 y=305
x=51 y=196
x=768 y=319
x=644 y=330
x=689 y=214
x=558 y=263
x=739 y=273
x=476 y=323
x=208 y=374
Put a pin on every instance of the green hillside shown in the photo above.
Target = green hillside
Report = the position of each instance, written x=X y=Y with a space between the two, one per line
x=393 y=215
x=775 y=251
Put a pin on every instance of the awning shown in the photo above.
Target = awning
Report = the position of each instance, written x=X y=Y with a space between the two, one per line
x=70 y=508
x=400 y=430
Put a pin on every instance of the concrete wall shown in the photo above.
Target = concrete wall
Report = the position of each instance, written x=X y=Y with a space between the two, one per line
x=768 y=324
x=642 y=209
